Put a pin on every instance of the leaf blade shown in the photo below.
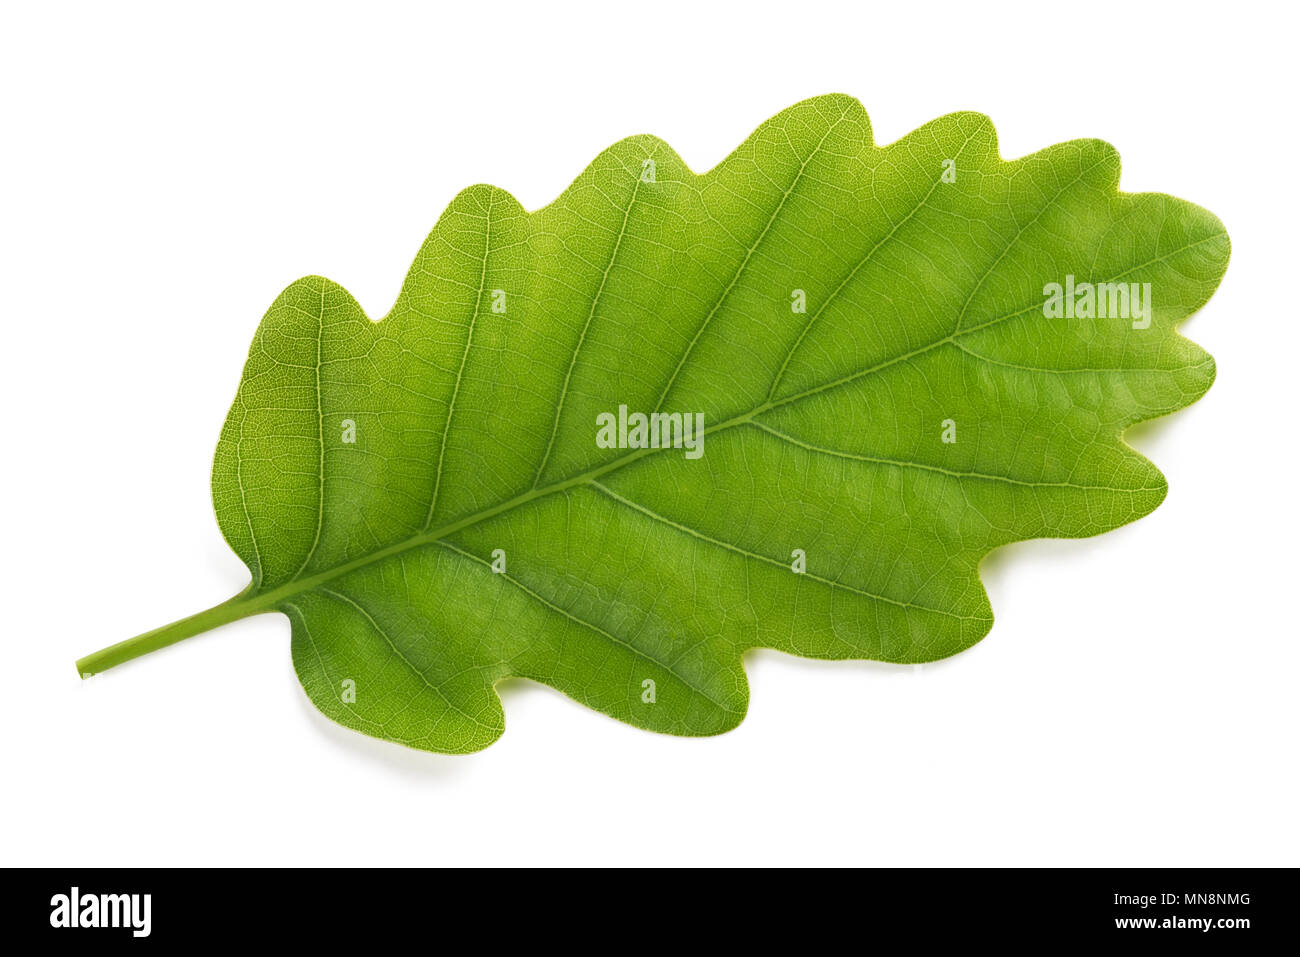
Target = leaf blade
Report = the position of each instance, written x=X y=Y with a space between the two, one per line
x=474 y=428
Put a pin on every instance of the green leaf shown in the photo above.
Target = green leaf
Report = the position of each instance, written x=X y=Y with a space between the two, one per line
x=473 y=528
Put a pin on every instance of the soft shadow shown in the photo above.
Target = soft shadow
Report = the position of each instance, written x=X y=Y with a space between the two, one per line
x=1148 y=436
x=766 y=657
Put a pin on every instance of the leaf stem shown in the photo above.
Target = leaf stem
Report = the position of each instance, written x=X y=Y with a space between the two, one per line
x=233 y=609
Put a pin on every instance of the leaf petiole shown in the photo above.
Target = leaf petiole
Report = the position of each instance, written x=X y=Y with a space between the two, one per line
x=240 y=606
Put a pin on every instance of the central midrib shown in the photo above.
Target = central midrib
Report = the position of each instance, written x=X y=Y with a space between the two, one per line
x=269 y=599
x=266 y=600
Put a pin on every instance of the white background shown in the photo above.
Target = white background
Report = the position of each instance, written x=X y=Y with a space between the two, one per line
x=166 y=172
